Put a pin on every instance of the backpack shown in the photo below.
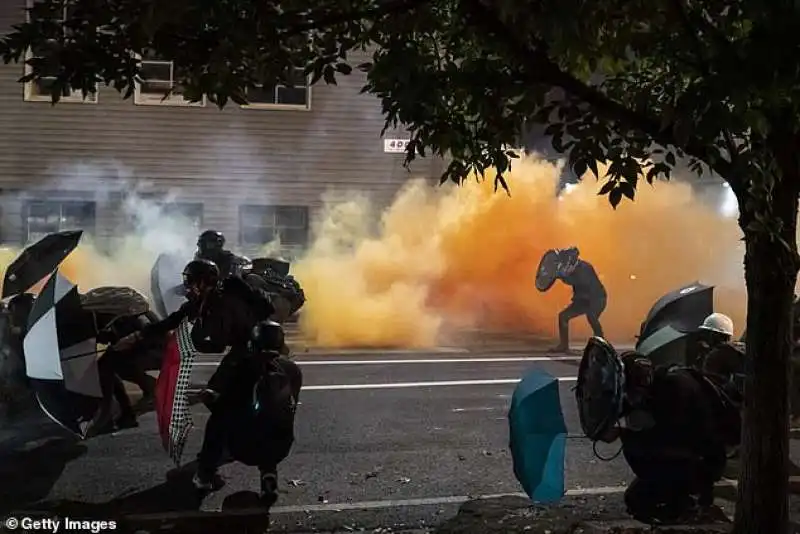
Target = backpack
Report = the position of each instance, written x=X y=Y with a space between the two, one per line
x=273 y=402
x=725 y=405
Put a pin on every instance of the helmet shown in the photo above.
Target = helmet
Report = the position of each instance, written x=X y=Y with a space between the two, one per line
x=268 y=335
x=568 y=260
x=211 y=240
x=197 y=271
x=719 y=323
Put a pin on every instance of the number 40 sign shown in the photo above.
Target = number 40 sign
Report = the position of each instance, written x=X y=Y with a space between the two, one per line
x=395 y=146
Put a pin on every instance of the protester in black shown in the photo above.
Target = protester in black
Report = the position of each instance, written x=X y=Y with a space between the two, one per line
x=211 y=246
x=589 y=297
x=674 y=439
x=224 y=314
x=116 y=365
x=261 y=429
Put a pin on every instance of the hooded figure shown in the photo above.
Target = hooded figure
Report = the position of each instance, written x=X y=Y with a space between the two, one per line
x=589 y=297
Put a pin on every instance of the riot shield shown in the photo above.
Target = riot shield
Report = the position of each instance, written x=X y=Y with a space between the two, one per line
x=600 y=388
x=547 y=272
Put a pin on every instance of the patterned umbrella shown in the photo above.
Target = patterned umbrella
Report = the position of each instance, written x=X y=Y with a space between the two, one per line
x=61 y=355
x=172 y=401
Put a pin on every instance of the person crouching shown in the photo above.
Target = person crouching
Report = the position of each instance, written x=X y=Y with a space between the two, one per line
x=261 y=428
x=672 y=439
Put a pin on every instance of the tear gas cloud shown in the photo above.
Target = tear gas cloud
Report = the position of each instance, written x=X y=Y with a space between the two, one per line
x=440 y=259
x=127 y=261
x=446 y=258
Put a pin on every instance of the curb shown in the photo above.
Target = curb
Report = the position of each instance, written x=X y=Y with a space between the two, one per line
x=635 y=527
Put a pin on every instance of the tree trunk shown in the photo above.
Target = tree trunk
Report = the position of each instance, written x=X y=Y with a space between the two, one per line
x=771 y=273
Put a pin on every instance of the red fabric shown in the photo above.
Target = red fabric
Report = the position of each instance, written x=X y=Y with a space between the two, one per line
x=165 y=388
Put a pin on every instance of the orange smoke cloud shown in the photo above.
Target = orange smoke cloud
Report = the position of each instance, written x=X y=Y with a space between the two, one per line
x=445 y=258
x=440 y=259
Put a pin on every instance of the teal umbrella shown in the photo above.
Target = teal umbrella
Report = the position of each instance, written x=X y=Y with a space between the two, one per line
x=538 y=437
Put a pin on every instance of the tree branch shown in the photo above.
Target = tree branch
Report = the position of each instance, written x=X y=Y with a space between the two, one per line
x=540 y=69
x=703 y=61
x=334 y=16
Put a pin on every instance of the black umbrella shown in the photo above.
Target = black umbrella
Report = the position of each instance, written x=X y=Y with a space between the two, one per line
x=39 y=260
x=61 y=355
x=683 y=309
x=666 y=346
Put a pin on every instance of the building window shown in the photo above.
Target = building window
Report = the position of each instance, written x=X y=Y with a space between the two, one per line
x=158 y=79
x=259 y=225
x=281 y=96
x=42 y=217
x=188 y=211
x=40 y=90
x=150 y=209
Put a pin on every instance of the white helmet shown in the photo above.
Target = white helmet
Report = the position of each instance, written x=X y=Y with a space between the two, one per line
x=719 y=323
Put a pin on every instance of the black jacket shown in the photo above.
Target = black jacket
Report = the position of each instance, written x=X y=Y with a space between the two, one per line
x=225 y=319
x=586 y=285
x=225 y=260
x=686 y=425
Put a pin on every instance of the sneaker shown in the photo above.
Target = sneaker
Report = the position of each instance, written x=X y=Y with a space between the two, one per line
x=269 y=489
x=559 y=349
x=208 y=484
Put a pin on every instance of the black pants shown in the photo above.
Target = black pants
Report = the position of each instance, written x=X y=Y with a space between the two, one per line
x=220 y=428
x=665 y=488
x=591 y=308
x=112 y=389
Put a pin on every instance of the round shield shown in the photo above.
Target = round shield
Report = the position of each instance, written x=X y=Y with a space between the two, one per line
x=600 y=388
x=547 y=272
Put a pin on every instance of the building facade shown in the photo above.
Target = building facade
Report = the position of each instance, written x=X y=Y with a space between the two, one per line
x=255 y=172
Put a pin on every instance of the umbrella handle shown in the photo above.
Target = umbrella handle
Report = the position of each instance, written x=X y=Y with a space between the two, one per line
x=82 y=355
x=605 y=458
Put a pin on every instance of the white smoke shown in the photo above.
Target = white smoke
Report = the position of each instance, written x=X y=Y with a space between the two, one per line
x=141 y=229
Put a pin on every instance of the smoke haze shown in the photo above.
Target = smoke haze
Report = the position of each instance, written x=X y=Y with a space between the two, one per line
x=446 y=258
x=441 y=259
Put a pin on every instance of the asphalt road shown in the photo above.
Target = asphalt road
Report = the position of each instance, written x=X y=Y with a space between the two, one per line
x=382 y=439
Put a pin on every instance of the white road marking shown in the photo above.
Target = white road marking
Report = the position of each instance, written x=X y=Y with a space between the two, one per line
x=455 y=499
x=407 y=385
x=481 y=409
x=378 y=505
x=343 y=352
x=364 y=505
x=426 y=361
x=402 y=385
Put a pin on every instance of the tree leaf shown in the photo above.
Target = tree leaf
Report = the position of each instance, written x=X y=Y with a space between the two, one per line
x=614 y=197
x=329 y=75
x=607 y=187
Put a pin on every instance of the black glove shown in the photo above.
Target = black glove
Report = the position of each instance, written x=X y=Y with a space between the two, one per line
x=209 y=397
